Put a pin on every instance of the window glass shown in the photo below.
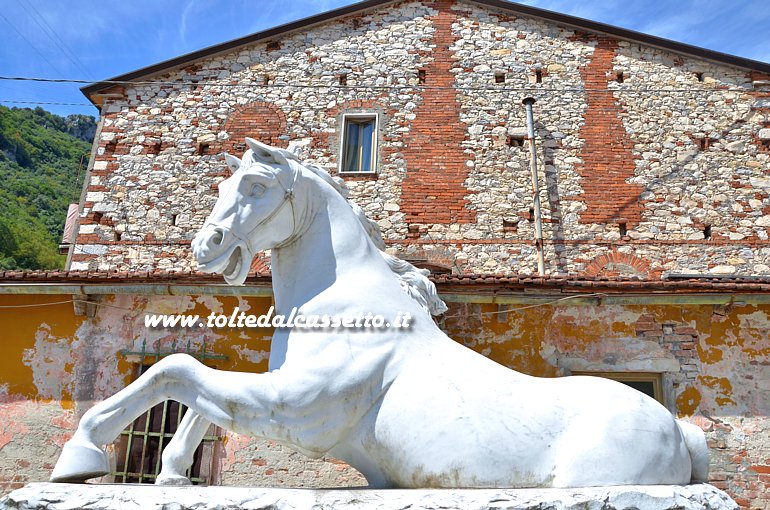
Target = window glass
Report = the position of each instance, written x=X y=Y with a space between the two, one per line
x=359 y=144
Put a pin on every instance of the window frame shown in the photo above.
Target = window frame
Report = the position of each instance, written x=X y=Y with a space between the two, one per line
x=359 y=116
x=643 y=377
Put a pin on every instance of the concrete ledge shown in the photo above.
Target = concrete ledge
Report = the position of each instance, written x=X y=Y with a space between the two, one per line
x=95 y=497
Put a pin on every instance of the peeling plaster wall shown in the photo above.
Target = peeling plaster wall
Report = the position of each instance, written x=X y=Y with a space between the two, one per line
x=56 y=364
x=714 y=361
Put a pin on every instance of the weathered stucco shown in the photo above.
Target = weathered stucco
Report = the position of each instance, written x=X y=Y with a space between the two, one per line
x=57 y=363
x=714 y=361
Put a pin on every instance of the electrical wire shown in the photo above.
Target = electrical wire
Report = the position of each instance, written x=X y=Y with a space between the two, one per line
x=599 y=295
x=13 y=27
x=487 y=88
x=537 y=305
x=9 y=101
x=52 y=35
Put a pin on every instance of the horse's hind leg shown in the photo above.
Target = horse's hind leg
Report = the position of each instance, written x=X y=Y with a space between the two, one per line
x=178 y=454
x=82 y=457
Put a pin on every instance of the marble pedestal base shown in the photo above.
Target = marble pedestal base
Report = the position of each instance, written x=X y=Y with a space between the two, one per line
x=59 y=496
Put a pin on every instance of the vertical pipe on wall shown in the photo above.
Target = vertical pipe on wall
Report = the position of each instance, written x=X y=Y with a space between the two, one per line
x=528 y=102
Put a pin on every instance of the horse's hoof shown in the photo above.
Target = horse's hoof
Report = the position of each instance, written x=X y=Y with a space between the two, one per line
x=79 y=461
x=173 y=480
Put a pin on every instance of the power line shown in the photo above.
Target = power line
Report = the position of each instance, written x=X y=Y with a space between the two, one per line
x=8 y=101
x=488 y=88
x=31 y=45
x=51 y=33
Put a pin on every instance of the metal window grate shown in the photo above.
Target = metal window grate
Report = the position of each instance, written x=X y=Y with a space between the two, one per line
x=139 y=446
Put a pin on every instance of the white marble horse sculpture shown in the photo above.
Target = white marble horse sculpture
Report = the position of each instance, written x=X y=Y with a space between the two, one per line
x=406 y=407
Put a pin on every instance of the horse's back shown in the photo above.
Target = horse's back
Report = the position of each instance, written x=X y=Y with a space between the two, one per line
x=454 y=418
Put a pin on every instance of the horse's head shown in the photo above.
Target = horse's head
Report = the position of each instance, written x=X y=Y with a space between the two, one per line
x=255 y=211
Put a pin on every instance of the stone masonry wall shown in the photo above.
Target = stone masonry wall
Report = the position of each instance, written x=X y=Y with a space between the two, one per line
x=641 y=151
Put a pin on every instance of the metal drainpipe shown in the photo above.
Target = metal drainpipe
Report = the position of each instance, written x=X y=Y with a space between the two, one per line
x=528 y=102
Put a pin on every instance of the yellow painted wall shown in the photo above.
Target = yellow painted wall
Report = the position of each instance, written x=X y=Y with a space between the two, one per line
x=715 y=361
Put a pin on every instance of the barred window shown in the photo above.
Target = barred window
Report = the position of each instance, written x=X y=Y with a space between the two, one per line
x=138 y=449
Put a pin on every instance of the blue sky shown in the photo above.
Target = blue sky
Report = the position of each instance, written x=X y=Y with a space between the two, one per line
x=92 y=40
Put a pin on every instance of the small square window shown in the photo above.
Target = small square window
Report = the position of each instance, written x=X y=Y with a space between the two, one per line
x=358 y=153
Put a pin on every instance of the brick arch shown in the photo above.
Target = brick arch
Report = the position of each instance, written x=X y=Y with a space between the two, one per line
x=259 y=120
x=615 y=264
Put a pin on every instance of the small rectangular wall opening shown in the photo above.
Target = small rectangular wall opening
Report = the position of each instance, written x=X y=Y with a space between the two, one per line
x=699 y=76
x=499 y=77
x=623 y=229
x=343 y=79
x=421 y=76
x=538 y=76
x=620 y=77
x=515 y=141
x=707 y=232
x=704 y=142
x=510 y=226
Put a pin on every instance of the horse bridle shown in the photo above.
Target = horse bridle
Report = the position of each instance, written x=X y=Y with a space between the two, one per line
x=288 y=197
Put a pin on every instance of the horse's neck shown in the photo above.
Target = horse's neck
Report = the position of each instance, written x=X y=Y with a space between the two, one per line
x=333 y=245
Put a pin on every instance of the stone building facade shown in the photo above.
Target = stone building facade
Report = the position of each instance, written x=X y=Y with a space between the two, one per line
x=651 y=156
x=654 y=168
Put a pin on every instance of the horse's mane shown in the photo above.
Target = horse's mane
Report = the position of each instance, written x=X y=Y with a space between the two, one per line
x=414 y=281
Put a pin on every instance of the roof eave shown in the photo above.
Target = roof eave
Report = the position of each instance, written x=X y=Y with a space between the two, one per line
x=513 y=8
x=628 y=35
x=217 y=49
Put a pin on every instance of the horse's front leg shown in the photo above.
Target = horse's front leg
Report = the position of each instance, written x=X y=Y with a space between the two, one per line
x=178 y=455
x=232 y=400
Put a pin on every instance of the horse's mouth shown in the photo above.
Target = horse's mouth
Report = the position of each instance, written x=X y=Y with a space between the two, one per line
x=234 y=264
x=224 y=263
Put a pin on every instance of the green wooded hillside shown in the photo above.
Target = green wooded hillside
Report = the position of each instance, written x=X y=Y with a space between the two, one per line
x=40 y=175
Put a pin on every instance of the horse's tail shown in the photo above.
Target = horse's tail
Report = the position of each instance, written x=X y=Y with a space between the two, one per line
x=695 y=440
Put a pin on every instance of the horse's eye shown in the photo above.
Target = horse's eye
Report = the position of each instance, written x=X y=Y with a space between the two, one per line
x=257 y=190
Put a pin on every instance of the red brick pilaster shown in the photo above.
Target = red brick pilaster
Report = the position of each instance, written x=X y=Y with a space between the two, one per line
x=434 y=188
x=607 y=154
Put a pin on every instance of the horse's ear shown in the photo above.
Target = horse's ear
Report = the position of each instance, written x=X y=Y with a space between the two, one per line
x=233 y=163
x=266 y=152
